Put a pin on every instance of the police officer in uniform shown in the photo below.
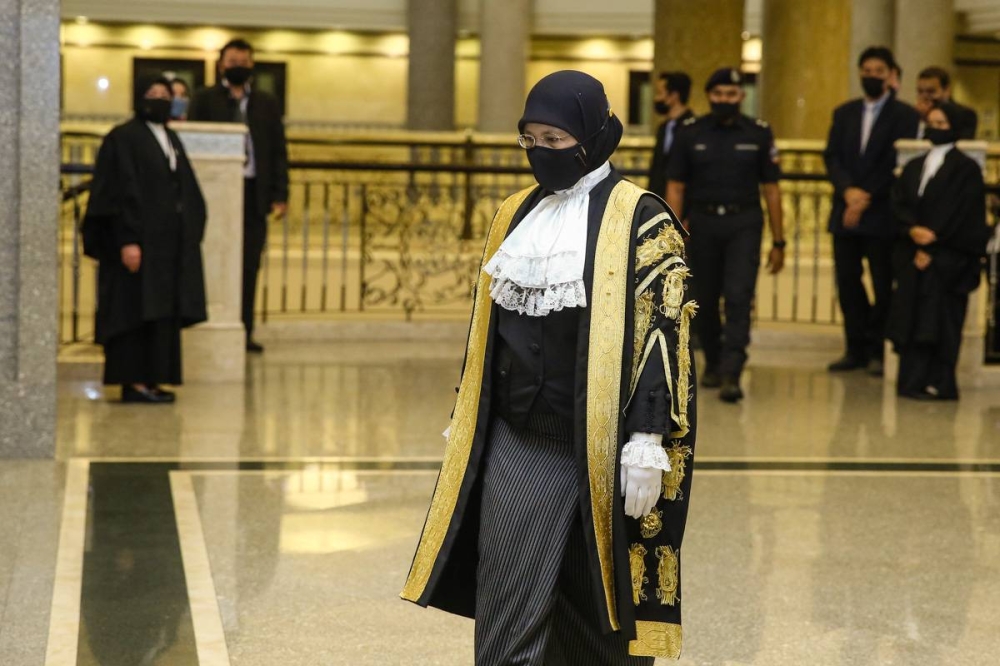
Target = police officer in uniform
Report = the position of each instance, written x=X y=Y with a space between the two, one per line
x=718 y=166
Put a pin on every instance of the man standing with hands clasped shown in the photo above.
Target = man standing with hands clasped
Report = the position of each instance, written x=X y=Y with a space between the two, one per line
x=265 y=172
x=860 y=160
x=718 y=166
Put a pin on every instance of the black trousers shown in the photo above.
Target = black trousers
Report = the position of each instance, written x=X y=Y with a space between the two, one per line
x=725 y=258
x=925 y=365
x=147 y=355
x=864 y=321
x=254 y=238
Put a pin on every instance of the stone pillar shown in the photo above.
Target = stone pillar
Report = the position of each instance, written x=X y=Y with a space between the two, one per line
x=698 y=38
x=431 y=75
x=29 y=219
x=873 y=23
x=216 y=350
x=925 y=36
x=505 y=31
x=802 y=79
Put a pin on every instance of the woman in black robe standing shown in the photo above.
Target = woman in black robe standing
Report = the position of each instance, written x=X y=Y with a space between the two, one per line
x=144 y=225
x=940 y=200
x=560 y=509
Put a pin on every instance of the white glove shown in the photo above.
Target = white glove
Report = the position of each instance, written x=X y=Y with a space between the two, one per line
x=643 y=463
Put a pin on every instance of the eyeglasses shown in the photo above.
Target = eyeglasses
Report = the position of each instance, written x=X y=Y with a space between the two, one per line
x=528 y=142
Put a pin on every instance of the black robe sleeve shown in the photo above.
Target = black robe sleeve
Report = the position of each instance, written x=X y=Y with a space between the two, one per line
x=113 y=217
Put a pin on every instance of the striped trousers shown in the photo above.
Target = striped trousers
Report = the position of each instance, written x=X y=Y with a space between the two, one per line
x=534 y=601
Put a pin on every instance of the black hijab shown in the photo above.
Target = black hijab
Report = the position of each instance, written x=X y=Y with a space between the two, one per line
x=576 y=102
x=146 y=109
x=954 y=116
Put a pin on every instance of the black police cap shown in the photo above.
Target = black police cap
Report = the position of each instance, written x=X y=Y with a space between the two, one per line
x=727 y=76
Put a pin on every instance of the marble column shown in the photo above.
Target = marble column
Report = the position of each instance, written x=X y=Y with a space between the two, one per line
x=29 y=219
x=431 y=74
x=505 y=31
x=925 y=36
x=873 y=23
x=216 y=350
x=698 y=38
x=802 y=79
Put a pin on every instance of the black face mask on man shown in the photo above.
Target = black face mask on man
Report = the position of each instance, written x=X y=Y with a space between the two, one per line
x=238 y=76
x=558 y=169
x=661 y=107
x=154 y=110
x=873 y=86
x=940 y=137
x=725 y=110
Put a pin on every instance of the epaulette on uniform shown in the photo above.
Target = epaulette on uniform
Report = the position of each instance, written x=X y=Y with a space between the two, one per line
x=691 y=121
x=762 y=123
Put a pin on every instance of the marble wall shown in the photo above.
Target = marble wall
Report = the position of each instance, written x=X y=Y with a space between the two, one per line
x=29 y=133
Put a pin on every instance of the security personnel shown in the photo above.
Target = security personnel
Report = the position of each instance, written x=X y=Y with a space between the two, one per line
x=717 y=168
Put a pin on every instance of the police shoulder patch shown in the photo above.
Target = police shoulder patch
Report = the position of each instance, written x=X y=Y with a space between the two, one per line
x=691 y=121
x=762 y=123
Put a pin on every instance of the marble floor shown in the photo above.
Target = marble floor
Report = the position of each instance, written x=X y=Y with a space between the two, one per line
x=273 y=522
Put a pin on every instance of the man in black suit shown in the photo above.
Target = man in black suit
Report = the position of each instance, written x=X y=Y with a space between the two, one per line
x=265 y=173
x=860 y=160
x=673 y=89
x=934 y=87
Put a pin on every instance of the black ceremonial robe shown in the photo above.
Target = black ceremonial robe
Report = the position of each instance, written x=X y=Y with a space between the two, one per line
x=136 y=198
x=632 y=346
x=929 y=306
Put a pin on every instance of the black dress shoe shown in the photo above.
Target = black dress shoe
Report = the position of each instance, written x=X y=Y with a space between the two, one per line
x=731 y=391
x=875 y=368
x=168 y=396
x=846 y=363
x=254 y=347
x=711 y=379
x=130 y=394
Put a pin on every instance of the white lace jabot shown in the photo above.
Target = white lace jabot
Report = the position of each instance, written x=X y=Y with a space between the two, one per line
x=538 y=269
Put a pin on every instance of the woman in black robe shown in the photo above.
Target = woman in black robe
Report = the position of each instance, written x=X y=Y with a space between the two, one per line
x=561 y=504
x=144 y=225
x=941 y=202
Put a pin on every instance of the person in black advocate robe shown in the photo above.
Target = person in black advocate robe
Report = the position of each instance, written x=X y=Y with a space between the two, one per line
x=941 y=203
x=144 y=225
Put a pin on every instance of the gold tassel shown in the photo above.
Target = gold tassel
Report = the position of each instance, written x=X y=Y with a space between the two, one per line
x=678 y=455
x=651 y=524
x=643 y=322
x=637 y=562
x=667 y=571
x=684 y=364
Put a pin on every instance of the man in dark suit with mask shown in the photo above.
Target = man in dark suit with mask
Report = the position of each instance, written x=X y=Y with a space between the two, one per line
x=265 y=173
x=860 y=160
x=673 y=89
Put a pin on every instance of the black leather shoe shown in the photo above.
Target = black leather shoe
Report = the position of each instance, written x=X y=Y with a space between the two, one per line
x=875 y=368
x=711 y=379
x=846 y=363
x=130 y=394
x=254 y=347
x=168 y=396
x=731 y=391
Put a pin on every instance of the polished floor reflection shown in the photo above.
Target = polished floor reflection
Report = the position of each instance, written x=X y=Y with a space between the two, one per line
x=830 y=523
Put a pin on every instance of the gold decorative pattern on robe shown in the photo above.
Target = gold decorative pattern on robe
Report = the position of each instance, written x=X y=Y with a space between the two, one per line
x=657 y=639
x=667 y=575
x=651 y=524
x=684 y=366
x=673 y=292
x=637 y=563
x=668 y=241
x=463 y=426
x=678 y=455
x=644 y=310
x=604 y=373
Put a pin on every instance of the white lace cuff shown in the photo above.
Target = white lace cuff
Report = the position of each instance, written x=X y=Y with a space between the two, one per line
x=645 y=450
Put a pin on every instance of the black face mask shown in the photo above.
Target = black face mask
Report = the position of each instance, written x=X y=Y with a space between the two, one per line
x=874 y=87
x=154 y=110
x=725 y=110
x=557 y=169
x=661 y=107
x=939 y=137
x=238 y=76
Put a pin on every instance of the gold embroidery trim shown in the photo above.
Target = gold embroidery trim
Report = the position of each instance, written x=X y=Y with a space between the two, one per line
x=665 y=243
x=463 y=426
x=673 y=292
x=653 y=274
x=657 y=639
x=604 y=372
x=688 y=312
x=653 y=222
x=637 y=563
x=651 y=524
x=644 y=311
x=672 y=480
x=667 y=573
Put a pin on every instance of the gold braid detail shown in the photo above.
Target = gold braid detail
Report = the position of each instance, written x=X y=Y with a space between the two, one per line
x=668 y=574
x=637 y=563
x=668 y=241
x=678 y=455
x=644 y=311
x=684 y=365
x=656 y=639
